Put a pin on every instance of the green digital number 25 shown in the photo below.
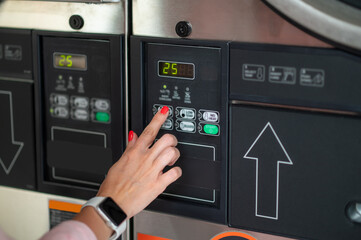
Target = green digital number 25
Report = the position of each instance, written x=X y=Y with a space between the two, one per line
x=168 y=66
x=65 y=59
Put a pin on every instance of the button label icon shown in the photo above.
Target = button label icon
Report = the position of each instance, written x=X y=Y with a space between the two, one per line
x=253 y=72
x=283 y=75
x=312 y=77
x=13 y=52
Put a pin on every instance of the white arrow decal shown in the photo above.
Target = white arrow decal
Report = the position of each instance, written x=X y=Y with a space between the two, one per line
x=10 y=149
x=268 y=152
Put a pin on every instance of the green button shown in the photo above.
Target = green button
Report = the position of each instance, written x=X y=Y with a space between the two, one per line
x=102 y=117
x=210 y=129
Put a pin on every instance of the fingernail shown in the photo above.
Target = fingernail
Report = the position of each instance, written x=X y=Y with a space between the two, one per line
x=164 y=110
x=130 y=136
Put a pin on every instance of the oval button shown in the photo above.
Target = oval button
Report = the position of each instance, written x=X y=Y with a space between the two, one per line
x=81 y=114
x=187 y=126
x=102 y=104
x=210 y=116
x=211 y=129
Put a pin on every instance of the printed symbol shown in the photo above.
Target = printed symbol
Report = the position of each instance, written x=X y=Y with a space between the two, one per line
x=70 y=84
x=187 y=97
x=175 y=93
x=253 y=72
x=10 y=149
x=259 y=73
x=268 y=152
x=81 y=85
x=13 y=52
x=312 y=77
x=60 y=83
x=284 y=75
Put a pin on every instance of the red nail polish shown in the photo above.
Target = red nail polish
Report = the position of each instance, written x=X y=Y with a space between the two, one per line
x=164 y=110
x=130 y=136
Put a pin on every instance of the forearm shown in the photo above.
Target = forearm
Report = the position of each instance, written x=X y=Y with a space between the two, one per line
x=70 y=230
x=92 y=219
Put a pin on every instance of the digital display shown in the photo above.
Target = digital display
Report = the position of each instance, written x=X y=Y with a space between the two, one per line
x=176 y=70
x=70 y=61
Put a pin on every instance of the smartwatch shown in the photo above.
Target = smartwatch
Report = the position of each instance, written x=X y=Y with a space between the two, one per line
x=110 y=212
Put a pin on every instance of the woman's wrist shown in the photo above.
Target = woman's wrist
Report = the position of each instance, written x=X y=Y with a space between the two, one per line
x=94 y=221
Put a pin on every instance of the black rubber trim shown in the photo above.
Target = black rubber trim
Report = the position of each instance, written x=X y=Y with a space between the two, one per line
x=354 y=3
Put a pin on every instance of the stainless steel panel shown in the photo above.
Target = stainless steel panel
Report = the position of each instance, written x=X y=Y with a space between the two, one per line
x=330 y=18
x=98 y=18
x=88 y=1
x=180 y=228
x=235 y=20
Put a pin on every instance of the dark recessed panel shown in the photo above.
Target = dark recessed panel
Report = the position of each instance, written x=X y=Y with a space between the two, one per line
x=294 y=173
x=17 y=138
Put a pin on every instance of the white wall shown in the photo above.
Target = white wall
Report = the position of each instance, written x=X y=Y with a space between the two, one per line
x=25 y=214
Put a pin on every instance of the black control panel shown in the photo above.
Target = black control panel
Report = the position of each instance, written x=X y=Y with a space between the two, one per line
x=295 y=141
x=80 y=88
x=17 y=136
x=191 y=81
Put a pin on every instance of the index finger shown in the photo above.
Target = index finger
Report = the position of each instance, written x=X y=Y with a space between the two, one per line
x=150 y=132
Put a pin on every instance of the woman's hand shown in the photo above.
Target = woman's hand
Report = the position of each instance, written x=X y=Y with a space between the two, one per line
x=137 y=178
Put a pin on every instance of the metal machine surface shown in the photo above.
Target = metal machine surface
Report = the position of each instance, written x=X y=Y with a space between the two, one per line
x=67 y=86
x=173 y=227
x=283 y=122
x=336 y=20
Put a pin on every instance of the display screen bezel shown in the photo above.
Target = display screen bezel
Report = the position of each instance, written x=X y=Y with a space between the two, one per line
x=111 y=209
x=168 y=76
x=70 y=68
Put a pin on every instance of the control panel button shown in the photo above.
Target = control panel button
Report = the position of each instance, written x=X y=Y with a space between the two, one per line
x=167 y=125
x=210 y=116
x=211 y=129
x=101 y=104
x=186 y=113
x=185 y=126
x=158 y=107
x=60 y=112
x=102 y=117
x=208 y=129
x=80 y=114
x=80 y=102
x=59 y=99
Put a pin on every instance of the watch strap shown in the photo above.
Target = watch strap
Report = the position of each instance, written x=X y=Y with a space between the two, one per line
x=95 y=202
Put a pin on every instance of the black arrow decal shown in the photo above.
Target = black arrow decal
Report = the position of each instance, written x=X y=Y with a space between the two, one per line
x=10 y=149
x=268 y=152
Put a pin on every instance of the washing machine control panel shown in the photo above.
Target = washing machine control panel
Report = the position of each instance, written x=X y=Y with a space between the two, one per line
x=82 y=107
x=188 y=80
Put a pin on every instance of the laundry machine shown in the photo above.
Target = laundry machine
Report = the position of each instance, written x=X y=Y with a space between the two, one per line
x=63 y=93
x=265 y=105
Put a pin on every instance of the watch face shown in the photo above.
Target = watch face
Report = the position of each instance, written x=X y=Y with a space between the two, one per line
x=112 y=211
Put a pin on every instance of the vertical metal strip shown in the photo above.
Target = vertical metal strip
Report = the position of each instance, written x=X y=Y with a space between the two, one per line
x=127 y=234
x=126 y=70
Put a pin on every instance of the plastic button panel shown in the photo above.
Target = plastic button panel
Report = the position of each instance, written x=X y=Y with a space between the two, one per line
x=186 y=120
